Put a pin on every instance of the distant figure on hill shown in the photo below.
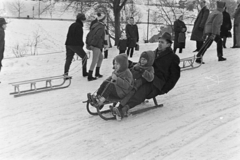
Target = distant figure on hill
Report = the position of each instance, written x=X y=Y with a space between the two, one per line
x=2 y=39
x=180 y=37
x=236 y=29
x=132 y=36
x=198 y=28
x=74 y=44
x=226 y=27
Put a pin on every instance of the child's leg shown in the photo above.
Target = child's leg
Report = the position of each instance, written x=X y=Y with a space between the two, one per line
x=102 y=87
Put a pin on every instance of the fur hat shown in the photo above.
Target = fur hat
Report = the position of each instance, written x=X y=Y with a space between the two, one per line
x=2 y=21
x=167 y=36
x=149 y=56
x=81 y=16
x=220 y=5
x=122 y=59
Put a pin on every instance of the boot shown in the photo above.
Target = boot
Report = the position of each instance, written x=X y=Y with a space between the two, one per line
x=105 y=54
x=90 y=77
x=97 y=74
x=222 y=59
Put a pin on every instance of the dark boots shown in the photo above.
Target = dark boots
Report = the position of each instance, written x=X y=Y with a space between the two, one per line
x=97 y=74
x=90 y=77
x=84 y=68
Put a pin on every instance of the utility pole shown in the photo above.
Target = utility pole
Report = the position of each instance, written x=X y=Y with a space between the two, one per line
x=39 y=9
x=148 y=22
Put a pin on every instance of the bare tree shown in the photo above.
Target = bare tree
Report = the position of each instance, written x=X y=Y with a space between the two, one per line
x=17 y=7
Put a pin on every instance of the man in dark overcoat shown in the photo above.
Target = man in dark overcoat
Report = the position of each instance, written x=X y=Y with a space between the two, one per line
x=132 y=36
x=226 y=26
x=198 y=28
x=166 y=74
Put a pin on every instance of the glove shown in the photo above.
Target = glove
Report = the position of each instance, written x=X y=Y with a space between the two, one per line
x=136 y=68
x=200 y=28
x=213 y=36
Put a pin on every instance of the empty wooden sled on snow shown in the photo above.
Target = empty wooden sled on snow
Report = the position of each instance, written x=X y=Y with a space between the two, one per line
x=47 y=85
x=189 y=63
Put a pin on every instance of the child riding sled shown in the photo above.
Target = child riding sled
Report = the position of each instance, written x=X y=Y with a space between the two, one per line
x=116 y=86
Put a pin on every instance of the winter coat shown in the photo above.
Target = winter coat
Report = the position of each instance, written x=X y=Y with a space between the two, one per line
x=124 y=82
x=132 y=35
x=197 y=32
x=122 y=44
x=75 y=34
x=226 y=25
x=179 y=30
x=167 y=70
x=2 y=44
x=99 y=37
x=143 y=74
x=93 y=22
x=236 y=16
x=214 y=23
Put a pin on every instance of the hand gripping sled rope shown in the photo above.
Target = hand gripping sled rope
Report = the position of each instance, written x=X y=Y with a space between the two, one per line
x=45 y=84
x=189 y=62
x=107 y=114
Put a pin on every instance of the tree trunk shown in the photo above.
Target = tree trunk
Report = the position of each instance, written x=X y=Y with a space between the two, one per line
x=117 y=25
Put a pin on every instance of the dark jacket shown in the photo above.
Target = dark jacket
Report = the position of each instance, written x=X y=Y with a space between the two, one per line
x=167 y=70
x=122 y=44
x=198 y=28
x=179 y=30
x=132 y=35
x=75 y=34
x=226 y=25
x=236 y=16
x=214 y=23
x=2 y=45
x=93 y=22
x=99 y=35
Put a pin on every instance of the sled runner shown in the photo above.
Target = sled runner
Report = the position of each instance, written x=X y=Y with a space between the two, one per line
x=188 y=63
x=107 y=114
x=47 y=85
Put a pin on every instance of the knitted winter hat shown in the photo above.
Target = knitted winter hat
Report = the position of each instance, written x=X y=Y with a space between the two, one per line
x=149 y=56
x=101 y=17
x=122 y=59
x=81 y=16
x=2 y=21
x=220 y=5
x=167 y=36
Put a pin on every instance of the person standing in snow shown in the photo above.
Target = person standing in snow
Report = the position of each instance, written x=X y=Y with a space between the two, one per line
x=198 y=28
x=132 y=36
x=122 y=43
x=166 y=74
x=95 y=42
x=2 y=39
x=226 y=26
x=74 y=44
x=212 y=33
x=180 y=37
x=236 y=29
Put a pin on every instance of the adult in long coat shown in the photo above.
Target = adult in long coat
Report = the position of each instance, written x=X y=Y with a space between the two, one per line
x=166 y=74
x=179 y=32
x=132 y=36
x=226 y=26
x=198 y=28
x=2 y=39
x=236 y=29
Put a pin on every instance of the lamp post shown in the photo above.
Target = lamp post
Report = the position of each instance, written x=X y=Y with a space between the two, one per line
x=148 y=22
x=39 y=9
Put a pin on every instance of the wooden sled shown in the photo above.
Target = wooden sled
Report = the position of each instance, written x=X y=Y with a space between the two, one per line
x=189 y=63
x=107 y=113
x=35 y=89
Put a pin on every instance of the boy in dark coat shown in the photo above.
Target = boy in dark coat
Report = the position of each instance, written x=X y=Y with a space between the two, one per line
x=179 y=30
x=212 y=32
x=198 y=28
x=122 y=43
x=74 y=44
x=166 y=74
x=116 y=86
x=132 y=36
x=226 y=26
x=2 y=39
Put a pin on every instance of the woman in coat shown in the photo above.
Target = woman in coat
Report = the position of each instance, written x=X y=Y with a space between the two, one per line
x=179 y=31
x=226 y=26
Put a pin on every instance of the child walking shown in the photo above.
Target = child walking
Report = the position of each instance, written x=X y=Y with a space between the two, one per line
x=122 y=43
x=116 y=86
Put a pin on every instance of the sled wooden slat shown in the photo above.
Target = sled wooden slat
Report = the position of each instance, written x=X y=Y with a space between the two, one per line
x=33 y=85
x=188 y=63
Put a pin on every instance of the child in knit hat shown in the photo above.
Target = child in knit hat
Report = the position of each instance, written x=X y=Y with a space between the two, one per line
x=116 y=86
x=122 y=43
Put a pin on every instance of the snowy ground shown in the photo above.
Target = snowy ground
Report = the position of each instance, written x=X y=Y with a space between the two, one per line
x=200 y=118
